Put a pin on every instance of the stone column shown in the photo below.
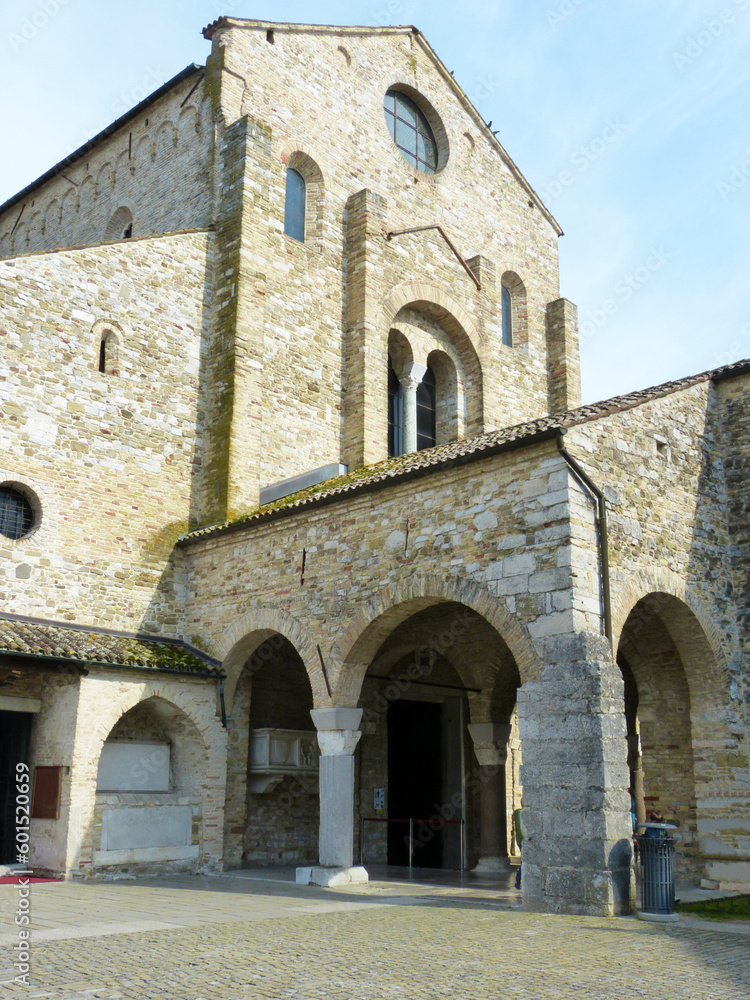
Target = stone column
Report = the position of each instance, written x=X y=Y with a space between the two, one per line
x=491 y=749
x=577 y=849
x=338 y=736
x=411 y=378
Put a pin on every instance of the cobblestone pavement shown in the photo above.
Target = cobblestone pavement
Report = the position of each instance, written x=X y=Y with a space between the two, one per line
x=208 y=938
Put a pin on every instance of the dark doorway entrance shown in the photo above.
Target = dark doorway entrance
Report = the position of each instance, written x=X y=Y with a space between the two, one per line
x=414 y=781
x=15 y=731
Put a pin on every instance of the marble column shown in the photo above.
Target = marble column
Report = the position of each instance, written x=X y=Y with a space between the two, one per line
x=491 y=750
x=338 y=735
x=410 y=379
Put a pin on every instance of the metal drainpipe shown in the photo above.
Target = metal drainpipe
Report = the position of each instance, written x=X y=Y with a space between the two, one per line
x=583 y=477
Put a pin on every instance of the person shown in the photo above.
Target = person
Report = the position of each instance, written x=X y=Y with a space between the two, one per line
x=517 y=826
x=655 y=816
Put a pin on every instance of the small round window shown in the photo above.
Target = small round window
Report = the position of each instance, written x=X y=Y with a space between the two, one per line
x=16 y=513
x=411 y=131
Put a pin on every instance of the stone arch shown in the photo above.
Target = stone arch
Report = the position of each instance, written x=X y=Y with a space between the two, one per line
x=354 y=650
x=188 y=121
x=682 y=714
x=167 y=137
x=145 y=151
x=450 y=415
x=5 y=245
x=114 y=707
x=86 y=192
x=124 y=166
x=246 y=634
x=437 y=305
x=105 y=179
x=202 y=745
x=67 y=210
x=120 y=225
x=295 y=156
x=20 y=239
x=52 y=217
x=660 y=585
x=35 y=230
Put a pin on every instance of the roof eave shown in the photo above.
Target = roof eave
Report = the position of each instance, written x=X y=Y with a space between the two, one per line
x=101 y=136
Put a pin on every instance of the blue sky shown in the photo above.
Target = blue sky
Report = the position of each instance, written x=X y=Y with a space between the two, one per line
x=629 y=117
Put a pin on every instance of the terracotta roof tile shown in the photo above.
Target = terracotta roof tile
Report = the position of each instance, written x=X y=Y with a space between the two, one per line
x=468 y=449
x=51 y=640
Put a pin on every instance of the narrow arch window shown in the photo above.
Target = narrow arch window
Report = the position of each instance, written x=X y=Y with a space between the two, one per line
x=109 y=360
x=395 y=413
x=426 y=411
x=507 y=307
x=16 y=513
x=294 y=207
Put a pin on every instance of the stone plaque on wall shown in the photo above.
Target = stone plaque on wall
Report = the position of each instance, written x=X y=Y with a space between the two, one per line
x=133 y=767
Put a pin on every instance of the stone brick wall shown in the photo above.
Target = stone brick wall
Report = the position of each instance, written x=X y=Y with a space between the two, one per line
x=157 y=166
x=111 y=459
x=321 y=392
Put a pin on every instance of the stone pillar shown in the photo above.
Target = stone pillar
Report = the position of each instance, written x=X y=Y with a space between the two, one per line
x=577 y=850
x=564 y=367
x=338 y=736
x=366 y=350
x=410 y=380
x=491 y=749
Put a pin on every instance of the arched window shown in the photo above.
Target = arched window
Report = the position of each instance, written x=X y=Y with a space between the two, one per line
x=109 y=350
x=16 y=513
x=120 y=225
x=395 y=414
x=411 y=131
x=426 y=411
x=294 y=208
x=507 y=305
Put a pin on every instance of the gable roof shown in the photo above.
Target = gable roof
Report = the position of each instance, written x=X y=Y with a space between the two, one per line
x=460 y=452
x=403 y=29
x=24 y=638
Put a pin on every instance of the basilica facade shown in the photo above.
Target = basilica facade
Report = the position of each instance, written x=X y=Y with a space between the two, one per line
x=309 y=553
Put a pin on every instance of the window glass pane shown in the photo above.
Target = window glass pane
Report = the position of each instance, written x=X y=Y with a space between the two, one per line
x=407 y=110
x=16 y=516
x=411 y=132
x=507 y=317
x=395 y=414
x=426 y=423
x=426 y=150
x=294 y=209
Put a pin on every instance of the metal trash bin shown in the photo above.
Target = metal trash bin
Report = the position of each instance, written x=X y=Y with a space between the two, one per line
x=656 y=848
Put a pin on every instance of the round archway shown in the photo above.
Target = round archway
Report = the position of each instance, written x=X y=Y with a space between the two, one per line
x=272 y=805
x=672 y=694
x=438 y=697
